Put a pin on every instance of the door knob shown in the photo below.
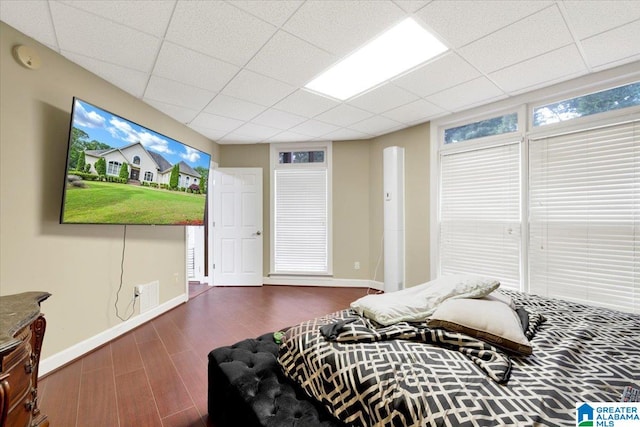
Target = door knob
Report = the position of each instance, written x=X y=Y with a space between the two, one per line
x=258 y=233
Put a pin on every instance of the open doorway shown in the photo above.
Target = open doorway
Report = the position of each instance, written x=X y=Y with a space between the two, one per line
x=198 y=244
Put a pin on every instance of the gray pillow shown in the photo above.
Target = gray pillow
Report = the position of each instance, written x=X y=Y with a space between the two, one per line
x=486 y=319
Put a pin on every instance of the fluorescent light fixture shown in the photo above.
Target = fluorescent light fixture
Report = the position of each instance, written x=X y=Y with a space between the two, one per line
x=397 y=50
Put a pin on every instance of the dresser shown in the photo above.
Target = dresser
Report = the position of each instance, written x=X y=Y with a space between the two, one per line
x=22 y=329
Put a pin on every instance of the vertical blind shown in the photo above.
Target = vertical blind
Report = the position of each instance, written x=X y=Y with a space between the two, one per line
x=480 y=213
x=584 y=213
x=301 y=233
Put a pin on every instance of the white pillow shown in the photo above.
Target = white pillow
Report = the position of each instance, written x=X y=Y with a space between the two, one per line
x=417 y=303
x=487 y=319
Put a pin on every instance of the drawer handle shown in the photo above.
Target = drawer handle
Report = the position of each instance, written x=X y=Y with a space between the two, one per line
x=30 y=406
x=28 y=367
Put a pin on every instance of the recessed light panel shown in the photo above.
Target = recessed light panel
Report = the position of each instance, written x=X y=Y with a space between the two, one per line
x=397 y=50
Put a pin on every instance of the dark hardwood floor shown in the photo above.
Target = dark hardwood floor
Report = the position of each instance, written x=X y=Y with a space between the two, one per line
x=156 y=375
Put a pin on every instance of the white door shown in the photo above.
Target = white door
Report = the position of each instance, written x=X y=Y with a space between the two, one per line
x=237 y=227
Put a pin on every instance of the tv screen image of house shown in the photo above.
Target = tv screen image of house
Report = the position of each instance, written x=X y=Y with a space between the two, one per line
x=118 y=172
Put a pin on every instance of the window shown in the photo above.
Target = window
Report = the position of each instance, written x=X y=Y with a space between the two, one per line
x=586 y=105
x=480 y=213
x=557 y=213
x=113 y=168
x=148 y=176
x=136 y=160
x=301 y=199
x=494 y=126
x=301 y=157
x=585 y=216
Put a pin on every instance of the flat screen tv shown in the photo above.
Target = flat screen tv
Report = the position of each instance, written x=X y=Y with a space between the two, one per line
x=118 y=172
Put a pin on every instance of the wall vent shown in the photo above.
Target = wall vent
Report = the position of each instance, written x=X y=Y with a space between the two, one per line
x=149 y=296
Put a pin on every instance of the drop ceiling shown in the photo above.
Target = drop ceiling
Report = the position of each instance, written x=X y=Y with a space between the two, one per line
x=235 y=70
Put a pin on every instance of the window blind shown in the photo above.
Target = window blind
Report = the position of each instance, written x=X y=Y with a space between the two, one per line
x=301 y=234
x=480 y=213
x=585 y=216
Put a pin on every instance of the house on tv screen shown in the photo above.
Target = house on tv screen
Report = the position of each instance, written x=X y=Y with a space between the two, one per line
x=144 y=166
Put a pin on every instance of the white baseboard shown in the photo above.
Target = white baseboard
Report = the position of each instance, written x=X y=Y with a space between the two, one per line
x=322 y=281
x=60 y=359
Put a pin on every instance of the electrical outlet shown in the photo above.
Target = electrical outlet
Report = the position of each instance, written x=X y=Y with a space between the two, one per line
x=356 y=265
x=136 y=291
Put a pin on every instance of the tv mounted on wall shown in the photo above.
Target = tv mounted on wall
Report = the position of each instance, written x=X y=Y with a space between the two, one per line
x=118 y=172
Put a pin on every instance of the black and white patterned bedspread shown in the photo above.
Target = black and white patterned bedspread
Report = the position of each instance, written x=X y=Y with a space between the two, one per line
x=409 y=375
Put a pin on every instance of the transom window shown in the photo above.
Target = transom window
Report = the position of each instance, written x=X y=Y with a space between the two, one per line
x=301 y=157
x=586 y=105
x=489 y=127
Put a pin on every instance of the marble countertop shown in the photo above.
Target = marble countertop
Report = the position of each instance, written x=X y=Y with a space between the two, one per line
x=17 y=311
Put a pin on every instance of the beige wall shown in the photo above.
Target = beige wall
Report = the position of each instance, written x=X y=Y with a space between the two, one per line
x=253 y=156
x=357 y=202
x=415 y=141
x=78 y=264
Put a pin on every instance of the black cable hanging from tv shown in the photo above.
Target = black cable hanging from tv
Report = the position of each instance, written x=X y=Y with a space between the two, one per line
x=124 y=245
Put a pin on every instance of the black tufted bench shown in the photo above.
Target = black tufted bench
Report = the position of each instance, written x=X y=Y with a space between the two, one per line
x=247 y=389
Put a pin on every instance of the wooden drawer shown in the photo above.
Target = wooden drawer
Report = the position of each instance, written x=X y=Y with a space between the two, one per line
x=18 y=365
x=21 y=414
x=22 y=328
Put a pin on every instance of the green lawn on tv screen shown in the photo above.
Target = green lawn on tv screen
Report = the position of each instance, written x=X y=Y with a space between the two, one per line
x=106 y=202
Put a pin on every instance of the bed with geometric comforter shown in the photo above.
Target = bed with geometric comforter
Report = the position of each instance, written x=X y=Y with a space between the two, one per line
x=408 y=374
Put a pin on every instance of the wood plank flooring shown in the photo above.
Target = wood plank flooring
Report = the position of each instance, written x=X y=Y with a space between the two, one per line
x=156 y=375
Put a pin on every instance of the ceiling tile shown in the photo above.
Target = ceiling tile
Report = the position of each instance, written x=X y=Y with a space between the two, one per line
x=236 y=138
x=149 y=16
x=383 y=98
x=314 y=128
x=213 y=134
x=103 y=39
x=257 y=88
x=460 y=22
x=346 y=134
x=417 y=111
x=588 y=18
x=258 y=132
x=545 y=31
x=412 y=6
x=305 y=103
x=219 y=123
x=340 y=27
x=176 y=93
x=219 y=30
x=275 y=12
x=467 y=95
x=30 y=17
x=377 y=125
x=288 y=136
x=131 y=81
x=289 y=59
x=615 y=47
x=447 y=71
x=234 y=108
x=540 y=71
x=193 y=68
x=181 y=114
x=278 y=119
x=343 y=115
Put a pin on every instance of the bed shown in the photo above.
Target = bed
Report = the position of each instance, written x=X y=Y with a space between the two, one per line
x=355 y=371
